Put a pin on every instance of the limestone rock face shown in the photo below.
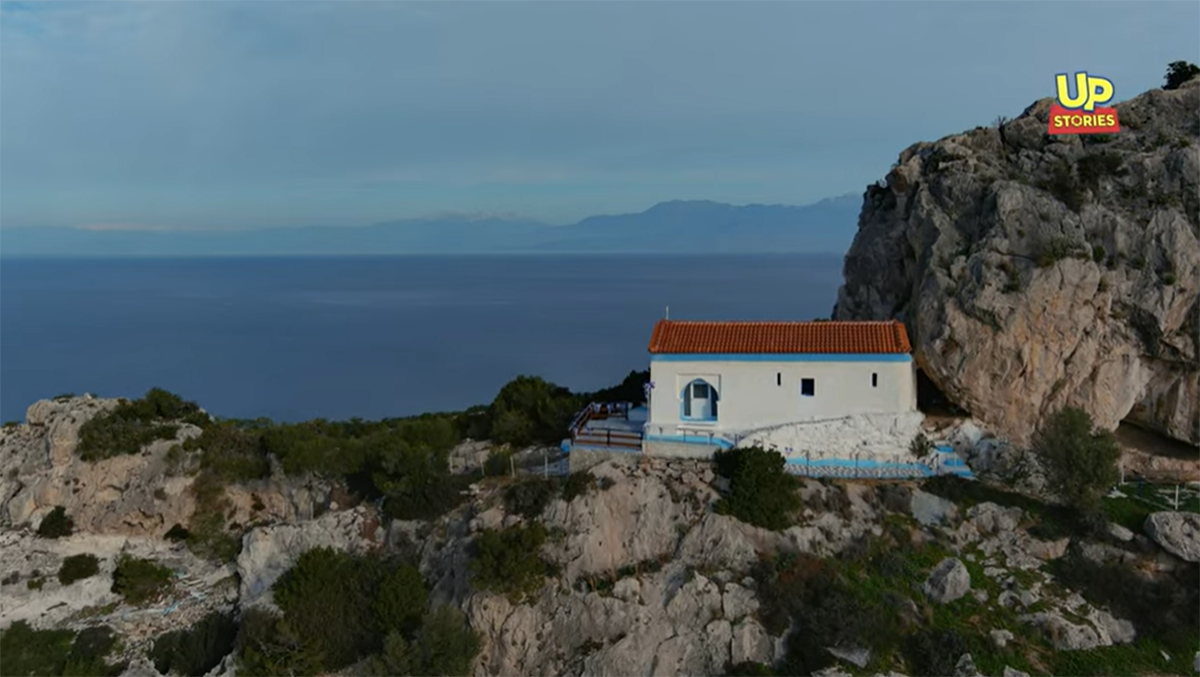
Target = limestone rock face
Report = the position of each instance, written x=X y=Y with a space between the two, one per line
x=1177 y=532
x=267 y=552
x=130 y=494
x=1036 y=272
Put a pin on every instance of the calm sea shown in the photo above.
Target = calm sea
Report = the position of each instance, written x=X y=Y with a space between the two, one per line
x=298 y=338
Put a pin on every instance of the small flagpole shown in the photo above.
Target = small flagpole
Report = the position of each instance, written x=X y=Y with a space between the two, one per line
x=668 y=315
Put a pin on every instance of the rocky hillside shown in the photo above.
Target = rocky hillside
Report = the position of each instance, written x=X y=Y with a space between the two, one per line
x=628 y=569
x=1036 y=271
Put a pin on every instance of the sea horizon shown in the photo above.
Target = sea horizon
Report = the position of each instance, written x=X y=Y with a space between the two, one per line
x=370 y=336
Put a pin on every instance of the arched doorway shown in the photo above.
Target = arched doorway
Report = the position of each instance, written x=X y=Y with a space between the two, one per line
x=700 y=401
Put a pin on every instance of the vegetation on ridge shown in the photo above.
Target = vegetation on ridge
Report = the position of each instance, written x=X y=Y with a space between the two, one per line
x=403 y=461
x=1179 y=72
x=58 y=653
x=341 y=610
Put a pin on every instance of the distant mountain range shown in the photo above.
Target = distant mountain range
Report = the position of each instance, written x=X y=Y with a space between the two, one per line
x=680 y=226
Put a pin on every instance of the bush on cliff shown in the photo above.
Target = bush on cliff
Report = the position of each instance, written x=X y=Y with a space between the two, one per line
x=140 y=581
x=631 y=389
x=509 y=561
x=197 y=650
x=136 y=423
x=327 y=599
x=26 y=651
x=337 y=609
x=761 y=492
x=1079 y=459
x=444 y=645
x=1179 y=72
x=77 y=568
x=530 y=410
x=530 y=497
x=266 y=646
x=56 y=524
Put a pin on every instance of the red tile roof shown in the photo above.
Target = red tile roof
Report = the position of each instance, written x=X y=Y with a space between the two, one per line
x=779 y=337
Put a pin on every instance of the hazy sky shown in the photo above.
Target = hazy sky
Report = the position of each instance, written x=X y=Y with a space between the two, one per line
x=232 y=114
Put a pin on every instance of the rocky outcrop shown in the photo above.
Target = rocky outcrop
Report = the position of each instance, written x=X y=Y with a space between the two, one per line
x=1177 y=532
x=1036 y=272
x=267 y=552
x=142 y=494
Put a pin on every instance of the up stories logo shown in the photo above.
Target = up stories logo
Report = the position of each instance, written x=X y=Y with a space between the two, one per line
x=1081 y=113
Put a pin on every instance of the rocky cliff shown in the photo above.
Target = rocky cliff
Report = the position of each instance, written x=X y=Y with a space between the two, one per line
x=643 y=575
x=1036 y=271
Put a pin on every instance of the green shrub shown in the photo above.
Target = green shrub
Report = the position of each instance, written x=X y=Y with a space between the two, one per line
x=761 y=492
x=77 y=568
x=631 y=389
x=177 y=533
x=266 y=646
x=935 y=652
x=822 y=608
x=1092 y=168
x=1179 y=72
x=530 y=497
x=197 y=650
x=35 y=583
x=89 y=652
x=56 y=524
x=1098 y=253
x=328 y=601
x=750 y=669
x=578 y=484
x=424 y=498
x=444 y=645
x=207 y=536
x=1054 y=249
x=1079 y=459
x=1061 y=183
x=140 y=581
x=11 y=424
x=231 y=452
x=529 y=410
x=26 y=651
x=136 y=423
x=401 y=599
x=509 y=561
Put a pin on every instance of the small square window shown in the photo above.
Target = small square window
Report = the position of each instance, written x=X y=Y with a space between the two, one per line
x=700 y=390
x=808 y=387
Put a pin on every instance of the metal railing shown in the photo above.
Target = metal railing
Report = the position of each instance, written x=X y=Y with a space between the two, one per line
x=581 y=435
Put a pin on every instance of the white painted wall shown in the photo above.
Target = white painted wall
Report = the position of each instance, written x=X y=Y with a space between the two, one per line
x=757 y=394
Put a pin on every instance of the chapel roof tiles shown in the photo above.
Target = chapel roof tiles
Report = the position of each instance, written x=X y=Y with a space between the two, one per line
x=672 y=336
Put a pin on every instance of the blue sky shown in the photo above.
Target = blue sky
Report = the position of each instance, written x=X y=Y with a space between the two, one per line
x=234 y=115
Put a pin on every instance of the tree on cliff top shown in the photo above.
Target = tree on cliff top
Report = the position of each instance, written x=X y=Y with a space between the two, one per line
x=1179 y=72
x=1079 y=459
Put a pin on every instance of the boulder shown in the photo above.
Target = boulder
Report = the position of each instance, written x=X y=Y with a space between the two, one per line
x=949 y=581
x=930 y=509
x=1177 y=532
